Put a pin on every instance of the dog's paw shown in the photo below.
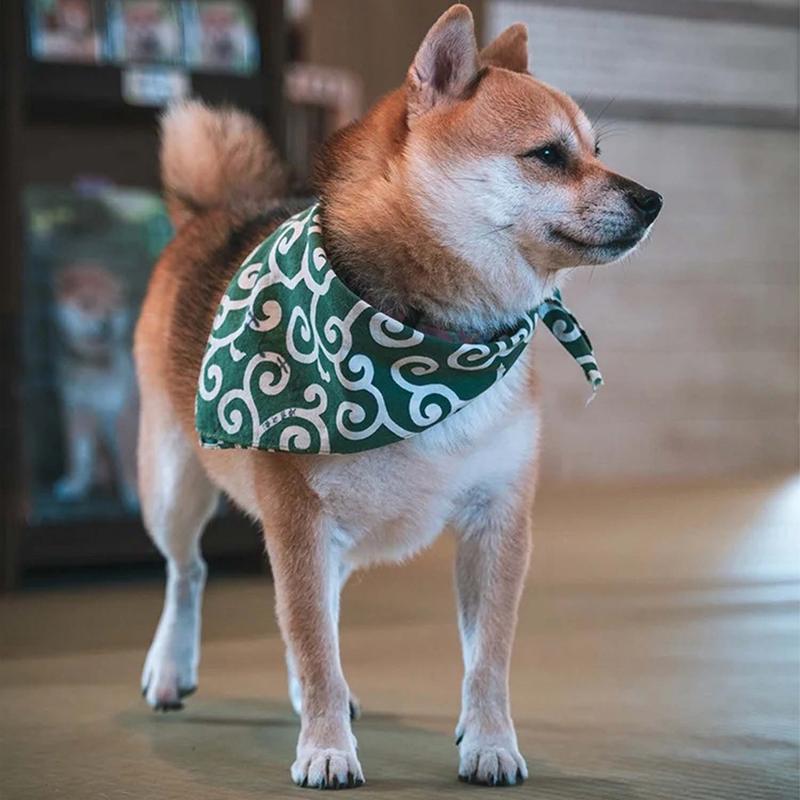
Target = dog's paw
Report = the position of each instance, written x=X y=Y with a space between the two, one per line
x=165 y=683
x=170 y=669
x=70 y=490
x=319 y=768
x=491 y=764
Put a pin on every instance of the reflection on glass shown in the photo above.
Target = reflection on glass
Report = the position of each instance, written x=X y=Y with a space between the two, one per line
x=90 y=253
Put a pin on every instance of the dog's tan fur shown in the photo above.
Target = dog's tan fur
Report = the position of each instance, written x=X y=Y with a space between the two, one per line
x=393 y=188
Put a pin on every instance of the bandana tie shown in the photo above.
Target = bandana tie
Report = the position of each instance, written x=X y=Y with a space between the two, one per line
x=297 y=362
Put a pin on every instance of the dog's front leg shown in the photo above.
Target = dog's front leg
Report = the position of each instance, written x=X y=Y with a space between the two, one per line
x=307 y=568
x=492 y=559
x=295 y=689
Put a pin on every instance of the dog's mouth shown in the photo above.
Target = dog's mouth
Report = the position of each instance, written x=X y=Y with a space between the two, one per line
x=616 y=245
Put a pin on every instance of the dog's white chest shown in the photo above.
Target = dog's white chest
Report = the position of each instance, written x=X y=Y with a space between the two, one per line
x=387 y=504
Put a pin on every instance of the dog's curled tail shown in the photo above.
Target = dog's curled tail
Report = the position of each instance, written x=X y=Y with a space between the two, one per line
x=216 y=159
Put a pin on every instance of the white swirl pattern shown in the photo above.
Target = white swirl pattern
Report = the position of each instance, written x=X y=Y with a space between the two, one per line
x=297 y=362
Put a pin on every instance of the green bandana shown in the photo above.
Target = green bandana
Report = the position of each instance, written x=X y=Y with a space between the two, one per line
x=296 y=362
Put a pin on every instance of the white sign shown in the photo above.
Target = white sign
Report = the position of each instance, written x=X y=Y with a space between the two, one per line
x=154 y=86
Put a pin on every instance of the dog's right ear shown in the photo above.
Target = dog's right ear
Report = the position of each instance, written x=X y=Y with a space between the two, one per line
x=445 y=64
x=509 y=50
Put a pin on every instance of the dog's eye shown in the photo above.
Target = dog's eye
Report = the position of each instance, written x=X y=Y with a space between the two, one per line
x=597 y=151
x=551 y=155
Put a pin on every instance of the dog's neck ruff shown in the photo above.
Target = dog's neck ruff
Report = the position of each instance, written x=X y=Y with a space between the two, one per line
x=296 y=362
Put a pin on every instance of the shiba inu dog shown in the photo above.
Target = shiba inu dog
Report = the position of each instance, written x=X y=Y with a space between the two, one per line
x=460 y=200
x=95 y=380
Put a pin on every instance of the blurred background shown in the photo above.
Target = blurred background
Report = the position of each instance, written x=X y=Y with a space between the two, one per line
x=685 y=467
x=697 y=336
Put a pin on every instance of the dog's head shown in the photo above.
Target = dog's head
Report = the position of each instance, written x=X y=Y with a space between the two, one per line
x=502 y=151
x=91 y=312
x=502 y=170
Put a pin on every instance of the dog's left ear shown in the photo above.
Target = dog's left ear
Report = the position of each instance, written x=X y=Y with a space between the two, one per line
x=509 y=50
x=445 y=64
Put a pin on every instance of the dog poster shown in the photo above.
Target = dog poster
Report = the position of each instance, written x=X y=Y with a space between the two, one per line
x=64 y=30
x=220 y=36
x=89 y=256
x=146 y=31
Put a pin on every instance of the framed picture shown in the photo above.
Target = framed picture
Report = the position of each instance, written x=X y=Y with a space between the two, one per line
x=89 y=254
x=64 y=30
x=145 y=31
x=220 y=36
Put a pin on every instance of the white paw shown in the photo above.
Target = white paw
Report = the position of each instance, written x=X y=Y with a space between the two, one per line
x=491 y=763
x=165 y=684
x=325 y=768
x=170 y=669
x=69 y=490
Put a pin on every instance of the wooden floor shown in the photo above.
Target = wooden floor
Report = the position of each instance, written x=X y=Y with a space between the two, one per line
x=657 y=658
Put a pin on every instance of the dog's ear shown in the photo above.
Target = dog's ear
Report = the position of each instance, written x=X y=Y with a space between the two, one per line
x=509 y=50
x=445 y=64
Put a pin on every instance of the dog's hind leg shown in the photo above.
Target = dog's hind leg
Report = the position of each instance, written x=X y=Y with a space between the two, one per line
x=177 y=500
x=491 y=562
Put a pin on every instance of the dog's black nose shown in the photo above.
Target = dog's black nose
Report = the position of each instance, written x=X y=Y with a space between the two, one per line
x=647 y=203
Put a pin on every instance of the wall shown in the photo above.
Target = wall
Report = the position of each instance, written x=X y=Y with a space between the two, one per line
x=376 y=39
x=697 y=335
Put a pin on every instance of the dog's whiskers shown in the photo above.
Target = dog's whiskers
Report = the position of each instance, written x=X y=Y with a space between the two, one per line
x=603 y=111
